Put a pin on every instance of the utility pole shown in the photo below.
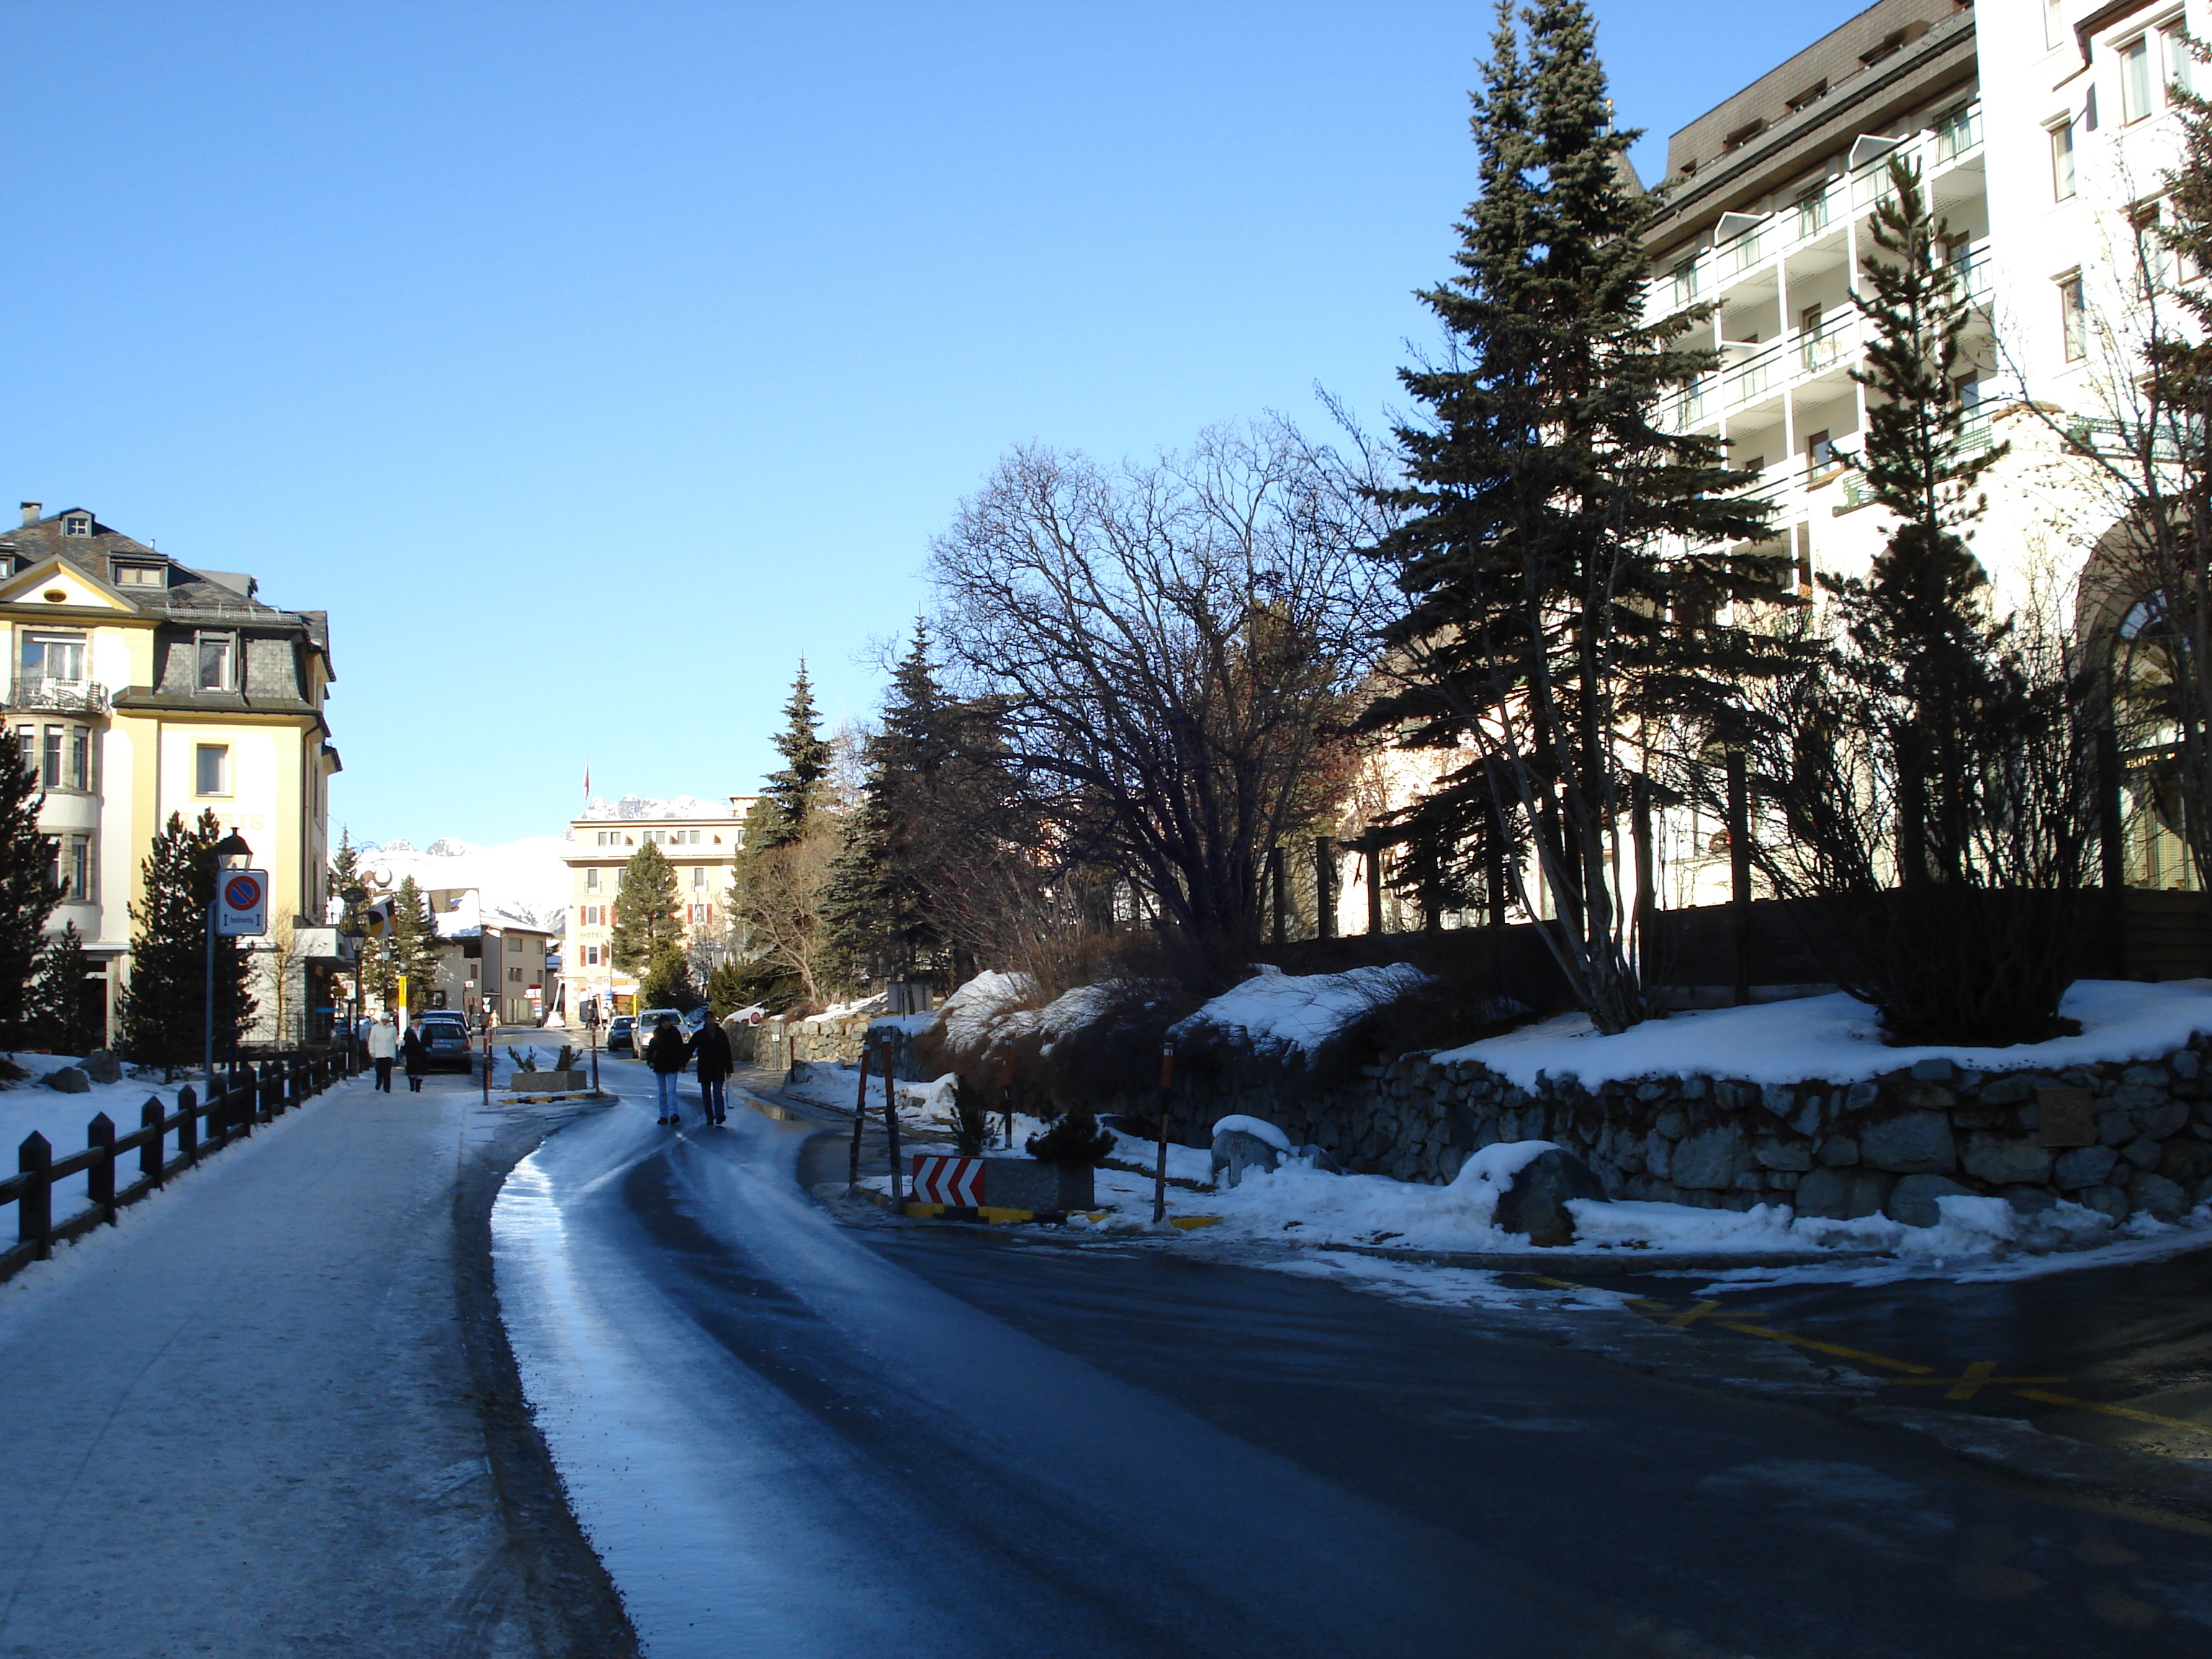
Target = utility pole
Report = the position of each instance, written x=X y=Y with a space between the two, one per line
x=1160 y=1176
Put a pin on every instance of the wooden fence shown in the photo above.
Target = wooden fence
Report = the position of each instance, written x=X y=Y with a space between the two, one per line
x=251 y=1095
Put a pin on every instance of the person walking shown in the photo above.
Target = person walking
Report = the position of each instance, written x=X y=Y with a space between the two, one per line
x=710 y=1051
x=417 y=1048
x=383 y=1049
x=666 y=1054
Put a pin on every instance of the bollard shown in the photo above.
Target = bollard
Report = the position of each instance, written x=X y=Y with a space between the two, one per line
x=150 y=1150
x=1160 y=1178
x=1006 y=1087
x=860 y=1119
x=34 y=1210
x=100 y=1178
x=890 y=1123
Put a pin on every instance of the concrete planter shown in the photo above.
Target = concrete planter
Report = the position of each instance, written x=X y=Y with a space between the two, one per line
x=547 y=1083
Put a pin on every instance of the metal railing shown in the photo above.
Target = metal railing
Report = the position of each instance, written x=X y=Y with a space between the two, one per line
x=61 y=696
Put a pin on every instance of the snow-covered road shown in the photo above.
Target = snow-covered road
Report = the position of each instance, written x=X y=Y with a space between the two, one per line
x=265 y=1417
x=782 y=1444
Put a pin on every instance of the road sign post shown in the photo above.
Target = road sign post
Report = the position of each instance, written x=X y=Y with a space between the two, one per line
x=240 y=910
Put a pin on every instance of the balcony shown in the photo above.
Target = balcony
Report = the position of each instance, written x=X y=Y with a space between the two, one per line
x=40 y=691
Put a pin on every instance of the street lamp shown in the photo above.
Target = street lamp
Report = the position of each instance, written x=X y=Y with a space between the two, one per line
x=351 y=926
x=231 y=853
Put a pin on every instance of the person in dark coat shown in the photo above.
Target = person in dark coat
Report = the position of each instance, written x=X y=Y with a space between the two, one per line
x=416 y=1050
x=666 y=1054
x=710 y=1050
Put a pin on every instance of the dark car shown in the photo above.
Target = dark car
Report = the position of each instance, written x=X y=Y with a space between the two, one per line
x=446 y=1035
x=618 y=1035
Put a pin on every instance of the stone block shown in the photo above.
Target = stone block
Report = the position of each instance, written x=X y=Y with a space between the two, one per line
x=2029 y=1200
x=2131 y=1097
x=1672 y=1124
x=1779 y=1098
x=1976 y=1117
x=2142 y=1152
x=2144 y=1077
x=1750 y=1181
x=2011 y=1089
x=1936 y=1069
x=1912 y=1200
x=1535 y=1201
x=1926 y=1097
x=1807 y=1120
x=1692 y=1088
x=2065 y=1116
x=101 y=1067
x=2085 y=1166
x=2168 y=1200
x=2162 y=1121
x=2115 y=1128
x=1773 y=1154
x=1842 y=1194
x=1839 y=1150
x=1784 y=1181
x=2184 y=1159
x=1658 y=1155
x=2105 y=1201
x=69 y=1080
x=1912 y=1143
x=1237 y=1151
x=2184 y=1063
x=1711 y=1159
x=1861 y=1096
x=2005 y=1160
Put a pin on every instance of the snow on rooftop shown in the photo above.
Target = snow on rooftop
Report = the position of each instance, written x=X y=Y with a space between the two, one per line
x=1276 y=1010
x=1835 y=1038
x=525 y=881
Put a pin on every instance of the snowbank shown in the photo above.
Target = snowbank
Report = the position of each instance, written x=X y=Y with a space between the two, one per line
x=1284 y=1013
x=1835 y=1038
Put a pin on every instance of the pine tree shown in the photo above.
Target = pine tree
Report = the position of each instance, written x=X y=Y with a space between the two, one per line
x=794 y=789
x=646 y=909
x=1565 y=554
x=27 y=895
x=412 y=947
x=163 y=1011
x=667 y=981
x=61 y=1013
x=727 y=988
x=345 y=874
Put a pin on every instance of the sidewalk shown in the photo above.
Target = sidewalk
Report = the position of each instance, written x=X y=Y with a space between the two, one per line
x=273 y=1413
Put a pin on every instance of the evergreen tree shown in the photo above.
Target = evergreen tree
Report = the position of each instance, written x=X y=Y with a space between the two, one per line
x=345 y=874
x=646 y=909
x=61 y=1014
x=27 y=893
x=727 y=990
x=1565 y=554
x=667 y=981
x=794 y=789
x=163 y=1012
x=411 y=948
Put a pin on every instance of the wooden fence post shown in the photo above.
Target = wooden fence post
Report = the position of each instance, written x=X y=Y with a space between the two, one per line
x=150 y=1150
x=1739 y=832
x=891 y=1124
x=860 y=1119
x=1324 y=887
x=99 y=1179
x=188 y=1125
x=1374 y=890
x=34 y=1210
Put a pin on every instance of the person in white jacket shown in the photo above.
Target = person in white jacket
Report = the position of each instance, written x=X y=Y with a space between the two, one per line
x=383 y=1049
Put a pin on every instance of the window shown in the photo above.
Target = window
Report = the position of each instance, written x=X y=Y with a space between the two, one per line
x=611 y=838
x=698 y=875
x=1810 y=96
x=76 y=871
x=2061 y=161
x=211 y=770
x=138 y=575
x=1685 y=282
x=1820 y=453
x=77 y=523
x=591 y=881
x=1813 y=210
x=2073 y=317
x=1744 y=134
x=53 y=657
x=27 y=747
x=51 y=772
x=2054 y=22
x=594 y=957
x=2173 y=44
x=2089 y=109
x=78 y=773
x=702 y=914
x=214 y=661
x=2135 y=79
x=514 y=975
x=1954 y=133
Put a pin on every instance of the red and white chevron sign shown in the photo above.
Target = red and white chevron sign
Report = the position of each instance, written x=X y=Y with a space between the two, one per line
x=938 y=1179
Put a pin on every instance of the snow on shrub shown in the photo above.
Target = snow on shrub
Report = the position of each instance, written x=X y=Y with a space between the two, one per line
x=1276 y=1016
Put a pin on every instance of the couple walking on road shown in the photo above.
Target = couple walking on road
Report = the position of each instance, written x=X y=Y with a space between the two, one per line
x=667 y=1053
x=386 y=1045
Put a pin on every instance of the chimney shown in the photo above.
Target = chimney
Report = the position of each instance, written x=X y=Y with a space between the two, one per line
x=31 y=511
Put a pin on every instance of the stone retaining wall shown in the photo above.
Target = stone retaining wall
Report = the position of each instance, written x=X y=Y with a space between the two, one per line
x=2117 y=1138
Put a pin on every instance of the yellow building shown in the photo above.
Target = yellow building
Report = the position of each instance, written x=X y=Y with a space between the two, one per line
x=138 y=687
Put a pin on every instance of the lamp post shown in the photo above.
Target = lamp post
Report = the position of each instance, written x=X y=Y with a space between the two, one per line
x=354 y=898
x=231 y=853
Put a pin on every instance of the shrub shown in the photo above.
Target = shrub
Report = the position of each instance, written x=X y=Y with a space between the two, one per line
x=1074 y=1138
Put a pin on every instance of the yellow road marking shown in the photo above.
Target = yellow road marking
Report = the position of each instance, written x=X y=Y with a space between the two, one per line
x=1969 y=1382
x=1691 y=1315
x=1188 y=1222
x=1860 y=1354
x=2114 y=1410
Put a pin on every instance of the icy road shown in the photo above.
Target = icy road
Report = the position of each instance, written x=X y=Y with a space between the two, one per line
x=786 y=1435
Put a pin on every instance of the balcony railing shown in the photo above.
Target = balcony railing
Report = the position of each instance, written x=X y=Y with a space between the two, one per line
x=61 y=696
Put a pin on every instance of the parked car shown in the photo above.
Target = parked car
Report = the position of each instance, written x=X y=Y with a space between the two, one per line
x=619 y=1040
x=446 y=1035
x=649 y=1022
x=694 y=1021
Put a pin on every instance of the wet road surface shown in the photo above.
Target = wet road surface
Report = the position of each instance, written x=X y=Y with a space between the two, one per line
x=787 y=1435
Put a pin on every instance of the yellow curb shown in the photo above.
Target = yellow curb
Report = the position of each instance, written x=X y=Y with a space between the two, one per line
x=1188 y=1222
x=995 y=1213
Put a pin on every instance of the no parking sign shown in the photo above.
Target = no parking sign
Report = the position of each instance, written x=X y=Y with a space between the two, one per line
x=241 y=904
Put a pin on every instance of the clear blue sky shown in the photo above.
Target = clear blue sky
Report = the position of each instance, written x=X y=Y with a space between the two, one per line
x=591 y=364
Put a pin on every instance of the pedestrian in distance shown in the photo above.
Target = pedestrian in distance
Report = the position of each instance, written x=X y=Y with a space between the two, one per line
x=417 y=1049
x=383 y=1049
x=666 y=1054
x=711 y=1050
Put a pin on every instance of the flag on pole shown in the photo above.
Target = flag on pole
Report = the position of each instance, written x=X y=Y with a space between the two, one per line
x=587 y=780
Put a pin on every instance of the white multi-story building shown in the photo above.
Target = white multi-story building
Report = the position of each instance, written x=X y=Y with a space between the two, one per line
x=700 y=838
x=2042 y=131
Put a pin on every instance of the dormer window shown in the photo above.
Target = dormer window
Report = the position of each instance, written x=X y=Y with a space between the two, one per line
x=216 y=653
x=77 y=523
x=138 y=575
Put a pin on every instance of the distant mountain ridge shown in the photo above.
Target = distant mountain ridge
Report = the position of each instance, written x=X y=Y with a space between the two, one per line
x=525 y=879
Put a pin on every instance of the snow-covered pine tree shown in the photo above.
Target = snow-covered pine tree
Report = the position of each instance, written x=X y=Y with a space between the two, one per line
x=1566 y=556
x=27 y=895
x=164 y=1009
x=646 y=909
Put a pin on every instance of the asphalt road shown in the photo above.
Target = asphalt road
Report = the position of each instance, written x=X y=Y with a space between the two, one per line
x=785 y=1433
